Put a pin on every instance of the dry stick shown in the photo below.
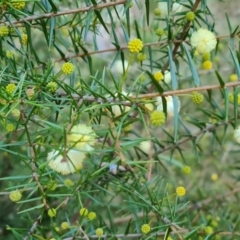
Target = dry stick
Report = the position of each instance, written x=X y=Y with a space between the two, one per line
x=117 y=143
x=194 y=136
x=133 y=235
x=84 y=234
x=32 y=229
x=138 y=235
x=125 y=48
x=67 y=12
x=150 y=95
x=36 y=179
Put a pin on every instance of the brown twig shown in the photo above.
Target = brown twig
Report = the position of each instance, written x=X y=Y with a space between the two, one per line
x=32 y=229
x=193 y=136
x=136 y=98
x=81 y=55
x=131 y=236
x=67 y=12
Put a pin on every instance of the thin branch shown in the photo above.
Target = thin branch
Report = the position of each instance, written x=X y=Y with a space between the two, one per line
x=131 y=236
x=32 y=229
x=194 y=136
x=84 y=234
x=81 y=55
x=136 y=98
x=67 y=12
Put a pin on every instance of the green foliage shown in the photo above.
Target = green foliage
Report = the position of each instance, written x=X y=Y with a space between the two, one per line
x=80 y=155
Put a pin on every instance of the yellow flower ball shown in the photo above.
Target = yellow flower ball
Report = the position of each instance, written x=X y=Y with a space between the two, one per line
x=157 y=11
x=135 y=45
x=157 y=118
x=146 y=228
x=190 y=16
x=208 y=230
x=158 y=76
x=233 y=77
x=52 y=87
x=181 y=191
x=214 y=177
x=24 y=38
x=82 y=136
x=91 y=216
x=186 y=169
x=231 y=98
x=141 y=57
x=197 y=98
x=51 y=185
x=67 y=68
x=52 y=212
x=19 y=5
x=65 y=161
x=99 y=232
x=68 y=182
x=159 y=32
x=4 y=31
x=10 y=127
x=64 y=225
x=206 y=56
x=203 y=40
x=10 y=88
x=83 y=212
x=207 y=65
x=10 y=54
x=15 y=196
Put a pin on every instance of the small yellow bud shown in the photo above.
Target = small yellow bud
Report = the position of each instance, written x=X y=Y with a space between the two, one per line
x=99 y=232
x=67 y=68
x=10 y=88
x=4 y=31
x=233 y=77
x=64 y=225
x=180 y=191
x=92 y=216
x=146 y=228
x=52 y=87
x=83 y=212
x=10 y=127
x=157 y=11
x=159 y=32
x=207 y=65
x=24 y=39
x=158 y=76
x=214 y=177
x=68 y=182
x=157 y=118
x=197 y=98
x=16 y=113
x=190 y=16
x=186 y=169
x=15 y=196
x=52 y=212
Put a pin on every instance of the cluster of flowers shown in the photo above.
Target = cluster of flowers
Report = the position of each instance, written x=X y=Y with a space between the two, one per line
x=80 y=140
x=204 y=41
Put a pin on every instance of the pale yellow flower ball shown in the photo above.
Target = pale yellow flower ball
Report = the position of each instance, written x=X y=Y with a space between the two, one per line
x=203 y=40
